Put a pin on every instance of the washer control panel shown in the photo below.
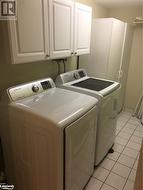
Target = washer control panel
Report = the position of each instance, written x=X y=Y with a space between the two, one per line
x=30 y=89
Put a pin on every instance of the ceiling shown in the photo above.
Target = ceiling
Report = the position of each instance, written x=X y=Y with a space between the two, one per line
x=121 y=3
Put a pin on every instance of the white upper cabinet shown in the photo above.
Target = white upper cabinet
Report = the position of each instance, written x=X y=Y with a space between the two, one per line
x=70 y=28
x=83 y=19
x=49 y=29
x=29 y=33
x=61 y=28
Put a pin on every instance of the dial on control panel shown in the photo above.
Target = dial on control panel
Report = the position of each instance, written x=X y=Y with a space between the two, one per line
x=76 y=75
x=35 y=88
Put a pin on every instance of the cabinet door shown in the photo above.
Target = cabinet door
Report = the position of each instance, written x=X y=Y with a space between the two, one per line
x=83 y=18
x=61 y=28
x=29 y=33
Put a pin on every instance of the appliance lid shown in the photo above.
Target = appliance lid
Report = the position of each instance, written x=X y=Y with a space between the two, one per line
x=93 y=84
x=58 y=105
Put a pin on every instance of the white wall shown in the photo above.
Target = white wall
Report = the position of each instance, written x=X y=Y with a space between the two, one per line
x=134 y=84
x=98 y=11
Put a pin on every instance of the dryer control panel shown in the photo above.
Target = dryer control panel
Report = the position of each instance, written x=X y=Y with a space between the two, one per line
x=70 y=76
x=30 y=89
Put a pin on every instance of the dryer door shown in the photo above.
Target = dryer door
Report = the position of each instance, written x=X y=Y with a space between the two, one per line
x=79 y=151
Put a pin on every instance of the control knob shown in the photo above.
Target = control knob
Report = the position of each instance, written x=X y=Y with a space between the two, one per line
x=76 y=75
x=35 y=88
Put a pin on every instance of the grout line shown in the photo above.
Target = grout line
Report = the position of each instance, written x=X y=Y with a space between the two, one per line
x=109 y=185
x=105 y=180
x=107 y=175
x=123 y=154
x=110 y=171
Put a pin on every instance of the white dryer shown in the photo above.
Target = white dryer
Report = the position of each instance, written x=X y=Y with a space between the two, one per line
x=52 y=136
x=106 y=92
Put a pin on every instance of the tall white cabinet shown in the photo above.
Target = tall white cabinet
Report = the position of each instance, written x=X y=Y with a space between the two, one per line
x=110 y=52
x=106 y=48
x=49 y=29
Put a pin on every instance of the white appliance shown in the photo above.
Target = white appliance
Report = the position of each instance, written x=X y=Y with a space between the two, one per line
x=107 y=93
x=110 y=52
x=52 y=136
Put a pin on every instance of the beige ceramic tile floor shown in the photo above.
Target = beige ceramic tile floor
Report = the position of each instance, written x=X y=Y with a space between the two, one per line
x=118 y=170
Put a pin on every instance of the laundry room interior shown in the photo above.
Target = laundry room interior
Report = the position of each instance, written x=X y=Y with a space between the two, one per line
x=71 y=95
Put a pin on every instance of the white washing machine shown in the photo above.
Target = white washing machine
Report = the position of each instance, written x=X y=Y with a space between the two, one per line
x=49 y=143
x=107 y=93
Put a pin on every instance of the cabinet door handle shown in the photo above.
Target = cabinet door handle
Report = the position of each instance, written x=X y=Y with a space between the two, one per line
x=47 y=55
x=75 y=52
x=71 y=53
